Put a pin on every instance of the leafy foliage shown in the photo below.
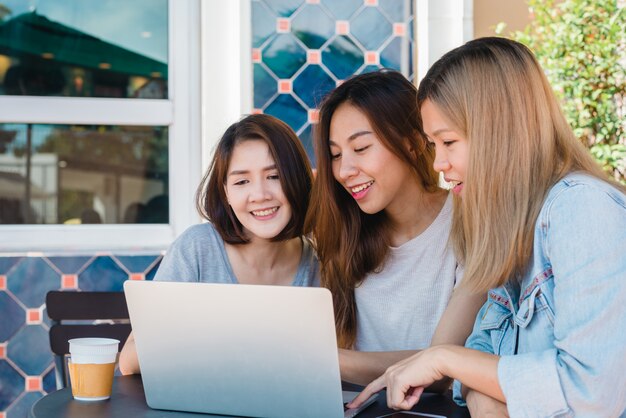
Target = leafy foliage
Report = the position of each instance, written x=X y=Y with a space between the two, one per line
x=581 y=45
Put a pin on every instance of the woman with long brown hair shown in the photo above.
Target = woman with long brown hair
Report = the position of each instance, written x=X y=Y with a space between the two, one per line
x=541 y=225
x=380 y=225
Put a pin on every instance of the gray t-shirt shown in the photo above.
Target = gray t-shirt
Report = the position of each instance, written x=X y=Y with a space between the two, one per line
x=400 y=307
x=199 y=255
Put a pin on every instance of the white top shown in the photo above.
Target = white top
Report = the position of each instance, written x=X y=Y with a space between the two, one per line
x=400 y=307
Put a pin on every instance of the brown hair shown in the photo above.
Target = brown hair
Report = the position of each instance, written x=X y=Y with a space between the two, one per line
x=494 y=92
x=349 y=242
x=293 y=168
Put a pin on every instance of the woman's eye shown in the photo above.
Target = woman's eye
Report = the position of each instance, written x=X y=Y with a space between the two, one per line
x=273 y=177
x=361 y=149
x=240 y=182
x=448 y=143
x=335 y=156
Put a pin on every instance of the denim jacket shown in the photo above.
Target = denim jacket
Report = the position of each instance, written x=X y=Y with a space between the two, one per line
x=561 y=329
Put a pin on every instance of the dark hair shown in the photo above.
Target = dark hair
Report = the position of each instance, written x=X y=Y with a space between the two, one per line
x=349 y=242
x=293 y=168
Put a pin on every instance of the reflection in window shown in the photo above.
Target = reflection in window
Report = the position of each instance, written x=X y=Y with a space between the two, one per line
x=59 y=174
x=108 y=48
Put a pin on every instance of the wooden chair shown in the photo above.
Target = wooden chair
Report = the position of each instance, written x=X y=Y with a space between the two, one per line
x=84 y=314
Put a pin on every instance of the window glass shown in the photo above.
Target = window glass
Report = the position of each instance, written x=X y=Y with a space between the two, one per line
x=62 y=174
x=78 y=48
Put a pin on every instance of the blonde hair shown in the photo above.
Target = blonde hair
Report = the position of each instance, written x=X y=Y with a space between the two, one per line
x=495 y=93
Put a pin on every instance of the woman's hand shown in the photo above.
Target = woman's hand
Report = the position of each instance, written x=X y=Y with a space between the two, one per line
x=481 y=405
x=405 y=381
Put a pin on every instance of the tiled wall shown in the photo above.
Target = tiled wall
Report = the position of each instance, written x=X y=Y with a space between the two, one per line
x=26 y=363
x=301 y=49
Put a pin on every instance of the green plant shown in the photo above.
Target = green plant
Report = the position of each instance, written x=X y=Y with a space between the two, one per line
x=581 y=45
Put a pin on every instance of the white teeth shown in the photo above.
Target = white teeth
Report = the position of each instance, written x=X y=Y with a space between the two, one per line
x=265 y=212
x=454 y=183
x=361 y=187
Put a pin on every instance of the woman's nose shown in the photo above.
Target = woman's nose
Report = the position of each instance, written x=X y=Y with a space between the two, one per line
x=347 y=168
x=441 y=163
x=260 y=192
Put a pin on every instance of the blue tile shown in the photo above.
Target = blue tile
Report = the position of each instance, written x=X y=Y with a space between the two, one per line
x=103 y=274
x=30 y=350
x=284 y=56
x=13 y=316
x=391 y=56
x=370 y=69
x=284 y=8
x=313 y=26
x=45 y=318
x=342 y=57
x=21 y=408
x=371 y=28
x=11 y=383
x=6 y=263
x=31 y=279
x=306 y=137
x=151 y=273
x=287 y=109
x=49 y=381
x=397 y=11
x=136 y=263
x=265 y=86
x=69 y=265
x=343 y=9
x=312 y=85
x=263 y=23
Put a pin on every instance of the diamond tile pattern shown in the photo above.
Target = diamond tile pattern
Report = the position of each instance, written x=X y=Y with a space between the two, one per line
x=25 y=348
x=310 y=29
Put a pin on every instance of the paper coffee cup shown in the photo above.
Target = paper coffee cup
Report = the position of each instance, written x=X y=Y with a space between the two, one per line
x=91 y=367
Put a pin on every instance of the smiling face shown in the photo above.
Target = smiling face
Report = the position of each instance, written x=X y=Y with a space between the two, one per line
x=254 y=191
x=370 y=172
x=451 y=148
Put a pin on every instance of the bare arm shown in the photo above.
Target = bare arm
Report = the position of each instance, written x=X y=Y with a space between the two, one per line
x=361 y=367
x=128 y=357
x=481 y=405
x=406 y=380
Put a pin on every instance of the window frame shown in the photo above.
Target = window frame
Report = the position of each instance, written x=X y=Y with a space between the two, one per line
x=180 y=113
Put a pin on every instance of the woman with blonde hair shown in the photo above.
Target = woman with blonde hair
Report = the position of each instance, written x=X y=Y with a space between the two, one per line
x=380 y=224
x=541 y=225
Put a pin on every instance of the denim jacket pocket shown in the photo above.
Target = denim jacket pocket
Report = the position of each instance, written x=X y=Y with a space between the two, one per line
x=533 y=301
x=495 y=322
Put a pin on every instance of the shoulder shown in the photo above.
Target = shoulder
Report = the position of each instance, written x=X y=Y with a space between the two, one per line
x=583 y=194
x=309 y=265
x=201 y=237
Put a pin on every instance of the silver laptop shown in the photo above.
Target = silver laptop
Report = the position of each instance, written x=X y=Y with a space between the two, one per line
x=246 y=350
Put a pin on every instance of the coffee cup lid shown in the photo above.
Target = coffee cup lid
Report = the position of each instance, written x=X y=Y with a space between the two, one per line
x=93 y=346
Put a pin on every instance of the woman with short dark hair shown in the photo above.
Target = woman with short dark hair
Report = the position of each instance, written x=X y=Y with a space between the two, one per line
x=255 y=195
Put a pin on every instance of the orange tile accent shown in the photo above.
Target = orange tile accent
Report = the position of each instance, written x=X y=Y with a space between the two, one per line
x=3 y=282
x=3 y=351
x=33 y=316
x=342 y=27
x=371 y=2
x=313 y=56
x=313 y=1
x=371 y=57
x=283 y=25
x=69 y=281
x=399 y=29
x=33 y=383
x=137 y=276
x=314 y=116
x=284 y=86
x=257 y=111
x=256 y=55
x=3 y=415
